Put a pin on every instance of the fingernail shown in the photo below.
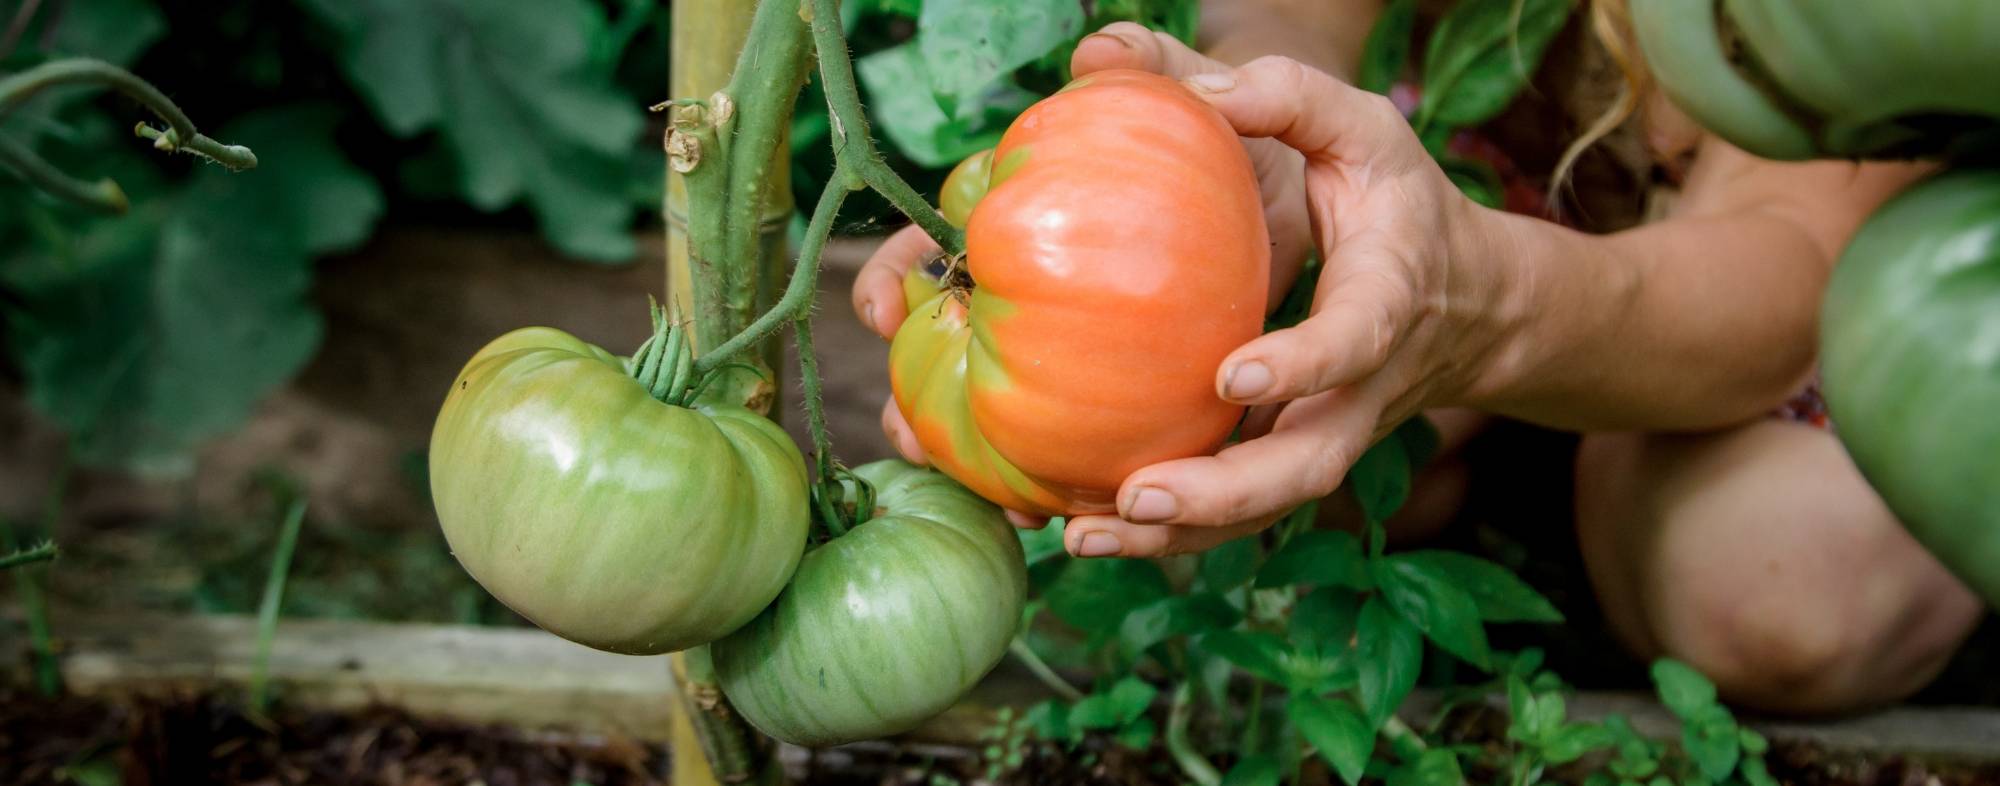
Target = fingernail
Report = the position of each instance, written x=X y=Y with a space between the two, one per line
x=1098 y=544
x=1245 y=380
x=1151 y=504
x=1210 y=83
x=868 y=315
x=1107 y=37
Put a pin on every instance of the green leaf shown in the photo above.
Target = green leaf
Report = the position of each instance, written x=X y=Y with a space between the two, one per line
x=1574 y=741
x=1323 y=622
x=513 y=92
x=1755 y=774
x=1321 y=557
x=1685 y=691
x=1096 y=594
x=1420 y=439
x=1253 y=771
x=1500 y=595
x=115 y=31
x=1125 y=702
x=1131 y=697
x=1175 y=615
x=1433 y=767
x=1390 y=657
x=1337 y=730
x=1478 y=60
x=912 y=120
x=1387 y=52
x=969 y=45
x=1478 y=180
x=1229 y=565
x=1710 y=740
x=1428 y=599
x=1753 y=743
x=1380 y=479
x=1048 y=720
x=1137 y=735
x=1042 y=544
x=155 y=331
x=1261 y=654
x=1520 y=709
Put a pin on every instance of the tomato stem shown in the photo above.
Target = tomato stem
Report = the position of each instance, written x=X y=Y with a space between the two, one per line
x=180 y=134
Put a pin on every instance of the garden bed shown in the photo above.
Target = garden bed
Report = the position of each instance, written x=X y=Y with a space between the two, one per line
x=154 y=701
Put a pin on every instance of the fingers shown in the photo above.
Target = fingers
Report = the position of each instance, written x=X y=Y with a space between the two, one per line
x=1129 y=45
x=1364 y=308
x=878 y=288
x=1311 y=112
x=1026 y=520
x=1315 y=442
x=901 y=435
x=1110 y=536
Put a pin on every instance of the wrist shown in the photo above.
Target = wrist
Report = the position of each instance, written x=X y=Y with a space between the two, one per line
x=1514 y=336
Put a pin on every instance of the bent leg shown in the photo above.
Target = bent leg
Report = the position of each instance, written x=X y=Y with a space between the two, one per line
x=1761 y=557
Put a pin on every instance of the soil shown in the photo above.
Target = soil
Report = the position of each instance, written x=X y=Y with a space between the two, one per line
x=210 y=740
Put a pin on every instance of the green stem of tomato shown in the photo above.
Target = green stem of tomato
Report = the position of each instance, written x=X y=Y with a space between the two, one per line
x=103 y=195
x=1196 y=766
x=797 y=300
x=29 y=555
x=753 y=119
x=267 y=609
x=180 y=134
x=852 y=144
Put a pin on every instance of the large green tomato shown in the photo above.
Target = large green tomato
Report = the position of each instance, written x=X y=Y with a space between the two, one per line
x=1798 y=79
x=886 y=625
x=603 y=515
x=1910 y=353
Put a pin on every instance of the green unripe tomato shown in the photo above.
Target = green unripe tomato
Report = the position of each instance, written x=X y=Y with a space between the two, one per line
x=886 y=625
x=1798 y=79
x=1910 y=358
x=603 y=515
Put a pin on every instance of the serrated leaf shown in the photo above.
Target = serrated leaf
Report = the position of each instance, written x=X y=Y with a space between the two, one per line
x=912 y=120
x=1096 y=594
x=1323 y=622
x=512 y=89
x=1380 y=479
x=1685 y=691
x=1252 y=771
x=968 y=45
x=1478 y=59
x=155 y=331
x=1321 y=557
x=1176 y=615
x=1500 y=595
x=1390 y=657
x=1387 y=52
x=1337 y=730
x=1426 y=598
x=1261 y=654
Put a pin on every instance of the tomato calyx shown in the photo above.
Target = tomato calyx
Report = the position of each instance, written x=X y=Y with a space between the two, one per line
x=664 y=364
x=842 y=500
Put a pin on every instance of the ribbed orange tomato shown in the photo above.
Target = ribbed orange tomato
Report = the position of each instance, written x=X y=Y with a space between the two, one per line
x=1118 y=255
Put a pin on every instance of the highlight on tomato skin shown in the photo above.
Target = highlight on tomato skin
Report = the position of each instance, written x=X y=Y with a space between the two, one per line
x=1117 y=256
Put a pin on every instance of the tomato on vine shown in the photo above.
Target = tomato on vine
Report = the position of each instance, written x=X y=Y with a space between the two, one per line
x=1117 y=255
x=609 y=506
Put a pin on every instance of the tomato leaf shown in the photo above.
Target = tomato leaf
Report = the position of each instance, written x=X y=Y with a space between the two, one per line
x=1387 y=52
x=1229 y=565
x=1380 y=479
x=1478 y=180
x=1261 y=654
x=912 y=119
x=513 y=93
x=1574 y=741
x=1096 y=594
x=969 y=45
x=1427 y=598
x=1252 y=771
x=1177 y=615
x=1038 y=545
x=1500 y=595
x=1390 y=656
x=1336 y=730
x=1710 y=739
x=1478 y=59
x=1322 y=557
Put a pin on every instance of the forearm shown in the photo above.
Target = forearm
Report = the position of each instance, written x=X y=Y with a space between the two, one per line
x=1325 y=34
x=1689 y=323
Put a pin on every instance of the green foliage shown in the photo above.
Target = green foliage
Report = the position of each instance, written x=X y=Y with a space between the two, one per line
x=517 y=91
x=1481 y=54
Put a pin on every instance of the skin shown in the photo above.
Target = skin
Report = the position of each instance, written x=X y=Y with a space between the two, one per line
x=1712 y=533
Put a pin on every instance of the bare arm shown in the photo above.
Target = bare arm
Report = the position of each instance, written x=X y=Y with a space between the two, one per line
x=1701 y=320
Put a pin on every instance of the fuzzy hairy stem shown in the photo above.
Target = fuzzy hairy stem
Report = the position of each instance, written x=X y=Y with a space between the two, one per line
x=797 y=300
x=754 y=112
x=180 y=134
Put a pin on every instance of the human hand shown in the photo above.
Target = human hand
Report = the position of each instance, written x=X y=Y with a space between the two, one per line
x=1412 y=310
